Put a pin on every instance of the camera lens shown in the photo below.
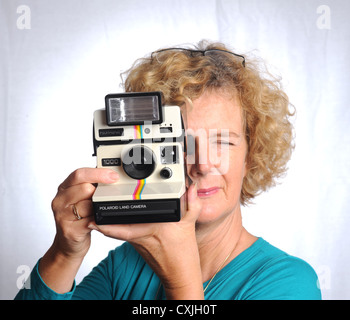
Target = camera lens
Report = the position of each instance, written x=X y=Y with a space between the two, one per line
x=139 y=162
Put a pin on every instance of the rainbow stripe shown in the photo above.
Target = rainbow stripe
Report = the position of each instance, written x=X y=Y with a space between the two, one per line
x=138 y=132
x=138 y=190
x=140 y=183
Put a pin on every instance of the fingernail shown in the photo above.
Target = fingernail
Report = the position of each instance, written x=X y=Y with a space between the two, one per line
x=113 y=176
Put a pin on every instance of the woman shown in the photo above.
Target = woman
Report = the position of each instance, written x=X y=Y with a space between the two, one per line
x=208 y=254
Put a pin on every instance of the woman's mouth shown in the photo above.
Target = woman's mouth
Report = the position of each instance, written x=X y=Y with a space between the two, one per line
x=202 y=193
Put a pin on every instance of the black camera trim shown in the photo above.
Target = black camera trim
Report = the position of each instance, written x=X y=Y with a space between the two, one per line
x=137 y=211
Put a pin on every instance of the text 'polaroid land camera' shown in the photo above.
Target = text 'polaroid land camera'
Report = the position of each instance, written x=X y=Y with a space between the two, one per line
x=144 y=142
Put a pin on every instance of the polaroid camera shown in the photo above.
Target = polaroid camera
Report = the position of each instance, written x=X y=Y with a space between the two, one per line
x=144 y=142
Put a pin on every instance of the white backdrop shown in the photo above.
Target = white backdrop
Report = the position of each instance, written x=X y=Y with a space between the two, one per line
x=58 y=59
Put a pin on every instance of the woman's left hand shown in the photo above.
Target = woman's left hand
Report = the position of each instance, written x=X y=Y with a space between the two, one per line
x=170 y=249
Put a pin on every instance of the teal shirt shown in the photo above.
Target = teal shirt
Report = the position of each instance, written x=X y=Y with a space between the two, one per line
x=260 y=272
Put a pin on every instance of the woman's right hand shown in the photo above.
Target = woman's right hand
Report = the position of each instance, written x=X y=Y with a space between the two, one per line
x=72 y=240
x=73 y=235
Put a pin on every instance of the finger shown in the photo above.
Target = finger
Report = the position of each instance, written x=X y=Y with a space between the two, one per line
x=83 y=224
x=121 y=232
x=82 y=209
x=76 y=193
x=79 y=211
x=194 y=204
x=75 y=230
x=89 y=175
x=125 y=232
x=65 y=198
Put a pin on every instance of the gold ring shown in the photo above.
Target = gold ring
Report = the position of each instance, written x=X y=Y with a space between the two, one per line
x=75 y=211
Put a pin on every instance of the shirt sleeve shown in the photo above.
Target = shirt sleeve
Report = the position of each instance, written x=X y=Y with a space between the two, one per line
x=289 y=278
x=99 y=284
x=36 y=289
x=95 y=286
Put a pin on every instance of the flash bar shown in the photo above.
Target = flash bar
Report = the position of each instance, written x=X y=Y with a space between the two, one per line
x=133 y=108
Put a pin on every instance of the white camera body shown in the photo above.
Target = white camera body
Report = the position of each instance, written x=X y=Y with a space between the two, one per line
x=148 y=155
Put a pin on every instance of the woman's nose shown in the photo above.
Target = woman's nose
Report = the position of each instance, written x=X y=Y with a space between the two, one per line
x=198 y=160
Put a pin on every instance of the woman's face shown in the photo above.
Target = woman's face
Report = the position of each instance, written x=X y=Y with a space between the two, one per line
x=218 y=166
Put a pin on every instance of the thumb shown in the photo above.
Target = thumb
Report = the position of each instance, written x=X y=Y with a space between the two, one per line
x=194 y=204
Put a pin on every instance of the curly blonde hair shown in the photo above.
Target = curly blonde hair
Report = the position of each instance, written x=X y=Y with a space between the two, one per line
x=183 y=75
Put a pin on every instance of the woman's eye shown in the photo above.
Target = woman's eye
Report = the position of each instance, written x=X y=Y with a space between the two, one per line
x=222 y=142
